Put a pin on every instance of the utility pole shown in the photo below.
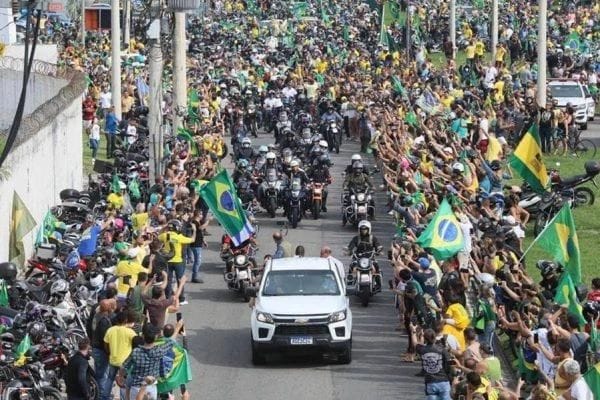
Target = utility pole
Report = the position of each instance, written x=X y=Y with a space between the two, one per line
x=179 y=71
x=541 y=52
x=115 y=42
x=155 y=68
x=83 y=23
x=453 y=27
x=494 y=29
x=126 y=23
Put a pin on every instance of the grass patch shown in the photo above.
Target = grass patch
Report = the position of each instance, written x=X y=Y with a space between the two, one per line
x=87 y=153
x=587 y=223
x=2 y=143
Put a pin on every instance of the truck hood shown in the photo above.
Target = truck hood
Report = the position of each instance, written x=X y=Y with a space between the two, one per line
x=301 y=305
x=575 y=101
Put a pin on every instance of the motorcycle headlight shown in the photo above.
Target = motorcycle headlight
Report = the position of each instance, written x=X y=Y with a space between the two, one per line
x=363 y=262
x=337 y=316
x=264 y=317
x=360 y=197
x=240 y=259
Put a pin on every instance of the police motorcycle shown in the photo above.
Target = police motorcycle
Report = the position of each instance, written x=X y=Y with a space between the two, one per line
x=364 y=278
x=251 y=119
x=269 y=191
x=358 y=206
x=240 y=269
x=282 y=123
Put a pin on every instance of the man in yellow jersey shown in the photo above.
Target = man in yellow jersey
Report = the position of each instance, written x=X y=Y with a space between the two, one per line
x=174 y=241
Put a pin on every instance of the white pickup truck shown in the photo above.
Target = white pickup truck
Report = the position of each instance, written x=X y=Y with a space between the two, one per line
x=301 y=305
x=570 y=91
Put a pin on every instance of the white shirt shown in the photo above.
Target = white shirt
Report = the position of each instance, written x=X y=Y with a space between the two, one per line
x=490 y=75
x=466 y=228
x=547 y=366
x=580 y=390
x=289 y=92
x=105 y=99
x=95 y=132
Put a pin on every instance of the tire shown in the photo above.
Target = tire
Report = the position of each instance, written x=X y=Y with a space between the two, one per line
x=540 y=223
x=243 y=286
x=93 y=385
x=586 y=148
x=258 y=358
x=316 y=209
x=294 y=217
x=584 y=197
x=272 y=207
x=365 y=296
x=345 y=356
x=51 y=394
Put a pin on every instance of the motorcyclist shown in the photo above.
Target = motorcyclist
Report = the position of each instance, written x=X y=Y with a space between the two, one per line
x=319 y=173
x=241 y=171
x=328 y=117
x=318 y=149
x=363 y=243
x=356 y=157
x=270 y=164
x=261 y=158
x=296 y=173
x=245 y=151
x=358 y=181
x=288 y=139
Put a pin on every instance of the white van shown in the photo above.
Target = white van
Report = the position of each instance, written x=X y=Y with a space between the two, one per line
x=301 y=304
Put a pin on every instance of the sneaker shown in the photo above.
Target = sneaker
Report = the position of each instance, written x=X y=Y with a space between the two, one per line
x=183 y=303
x=197 y=281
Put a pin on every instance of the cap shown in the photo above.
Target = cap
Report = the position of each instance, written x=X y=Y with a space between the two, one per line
x=424 y=262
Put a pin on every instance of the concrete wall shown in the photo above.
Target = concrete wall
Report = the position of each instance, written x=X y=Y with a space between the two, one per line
x=43 y=52
x=40 y=89
x=40 y=168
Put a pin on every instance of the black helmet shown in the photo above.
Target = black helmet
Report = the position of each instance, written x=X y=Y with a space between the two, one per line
x=323 y=159
x=8 y=271
x=547 y=268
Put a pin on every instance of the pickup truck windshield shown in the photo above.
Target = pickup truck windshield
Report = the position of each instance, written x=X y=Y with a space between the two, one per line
x=566 y=91
x=301 y=283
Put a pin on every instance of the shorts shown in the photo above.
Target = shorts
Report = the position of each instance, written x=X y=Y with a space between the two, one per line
x=463 y=260
x=151 y=392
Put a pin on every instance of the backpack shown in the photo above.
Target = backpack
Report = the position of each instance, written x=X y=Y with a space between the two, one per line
x=579 y=346
x=166 y=364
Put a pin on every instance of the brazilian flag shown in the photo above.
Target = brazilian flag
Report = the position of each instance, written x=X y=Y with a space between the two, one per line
x=443 y=235
x=220 y=196
x=186 y=135
x=181 y=372
x=566 y=296
x=559 y=239
x=21 y=223
x=527 y=160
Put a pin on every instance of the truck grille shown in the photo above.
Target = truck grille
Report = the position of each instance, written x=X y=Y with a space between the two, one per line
x=287 y=330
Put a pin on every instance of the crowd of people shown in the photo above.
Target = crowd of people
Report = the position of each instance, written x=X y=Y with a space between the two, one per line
x=436 y=130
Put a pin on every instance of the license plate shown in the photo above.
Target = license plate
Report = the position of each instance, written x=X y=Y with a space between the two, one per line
x=301 y=340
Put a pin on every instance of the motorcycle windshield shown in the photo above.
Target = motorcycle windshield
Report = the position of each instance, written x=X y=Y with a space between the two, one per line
x=271 y=175
x=296 y=184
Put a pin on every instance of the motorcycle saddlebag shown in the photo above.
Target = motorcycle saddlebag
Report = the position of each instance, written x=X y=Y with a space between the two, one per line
x=46 y=251
x=592 y=167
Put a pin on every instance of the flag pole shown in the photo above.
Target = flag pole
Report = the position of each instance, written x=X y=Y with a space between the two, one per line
x=538 y=236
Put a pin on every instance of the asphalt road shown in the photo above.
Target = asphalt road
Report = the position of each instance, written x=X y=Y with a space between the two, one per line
x=218 y=324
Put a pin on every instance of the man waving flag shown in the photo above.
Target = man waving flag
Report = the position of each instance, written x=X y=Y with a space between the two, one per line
x=527 y=160
x=219 y=194
x=443 y=235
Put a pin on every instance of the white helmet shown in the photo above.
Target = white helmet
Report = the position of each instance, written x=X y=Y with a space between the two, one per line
x=458 y=166
x=364 y=224
x=270 y=156
x=294 y=163
x=323 y=143
x=356 y=157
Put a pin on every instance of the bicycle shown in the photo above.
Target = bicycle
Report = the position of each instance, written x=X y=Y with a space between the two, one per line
x=576 y=146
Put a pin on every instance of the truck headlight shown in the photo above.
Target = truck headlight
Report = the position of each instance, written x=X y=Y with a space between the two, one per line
x=264 y=317
x=337 y=316
x=581 y=106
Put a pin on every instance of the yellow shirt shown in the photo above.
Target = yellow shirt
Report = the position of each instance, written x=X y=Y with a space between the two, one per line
x=118 y=338
x=447 y=101
x=479 y=48
x=177 y=241
x=500 y=53
x=461 y=321
x=131 y=269
x=483 y=389
x=470 y=51
x=116 y=200
x=139 y=221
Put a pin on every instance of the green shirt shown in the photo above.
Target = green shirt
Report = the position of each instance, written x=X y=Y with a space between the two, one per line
x=494 y=370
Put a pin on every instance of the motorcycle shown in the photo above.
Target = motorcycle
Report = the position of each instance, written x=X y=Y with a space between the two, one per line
x=27 y=383
x=364 y=282
x=241 y=275
x=251 y=120
x=316 y=196
x=550 y=205
x=272 y=186
x=334 y=136
x=583 y=195
x=358 y=208
x=294 y=207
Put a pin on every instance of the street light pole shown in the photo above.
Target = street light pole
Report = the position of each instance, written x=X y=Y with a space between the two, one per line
x=83 y=23
x=494 y=29
x=115 y=30
x=541 y=52
x=126 y=23
x=179 y=71
x=155 y=67
x=453 y=27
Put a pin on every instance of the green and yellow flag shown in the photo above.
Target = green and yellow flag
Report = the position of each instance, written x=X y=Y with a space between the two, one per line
x=21 y=223
x=566 y=296
x=181 y=372
x=592 y=381
x=560 y=240
x=22 y=348
x=527 y=160
x=220 y=196
x=186 y=135
x=443 y=235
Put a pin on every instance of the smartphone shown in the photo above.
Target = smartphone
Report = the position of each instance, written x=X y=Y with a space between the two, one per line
x=178 y=316
x=536 y=338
